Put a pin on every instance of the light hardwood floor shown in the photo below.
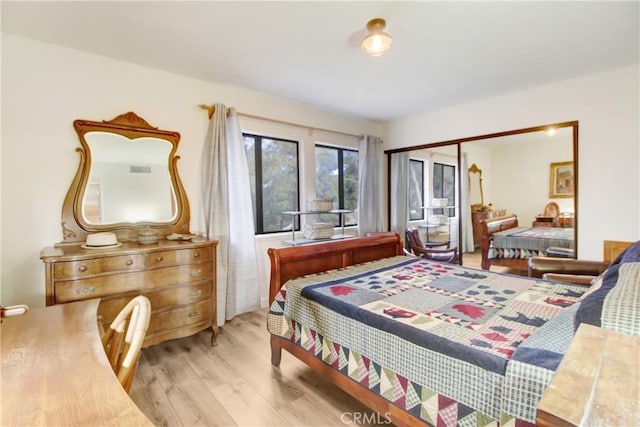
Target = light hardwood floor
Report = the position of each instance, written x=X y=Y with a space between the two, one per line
x=186 y=382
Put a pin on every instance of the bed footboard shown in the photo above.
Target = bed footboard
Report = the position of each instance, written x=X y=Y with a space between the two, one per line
x=488 y=227
x=390 y=412
x=290 y=262
x=276 y=351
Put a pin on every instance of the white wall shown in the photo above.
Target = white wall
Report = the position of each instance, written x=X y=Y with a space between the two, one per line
x=607 y=107
x=522 y=162
x=526 y=168
x=46 y=87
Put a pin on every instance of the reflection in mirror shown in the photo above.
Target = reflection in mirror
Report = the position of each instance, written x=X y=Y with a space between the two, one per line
x=513 y=179
x=476 y=194
x=129 y=180
x=516 y=169
x=421 y=180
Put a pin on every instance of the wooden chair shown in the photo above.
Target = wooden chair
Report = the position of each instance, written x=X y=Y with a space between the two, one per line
x=123 y=340
x=434 y=251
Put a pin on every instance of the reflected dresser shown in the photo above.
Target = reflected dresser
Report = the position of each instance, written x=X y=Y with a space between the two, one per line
x=178 y=277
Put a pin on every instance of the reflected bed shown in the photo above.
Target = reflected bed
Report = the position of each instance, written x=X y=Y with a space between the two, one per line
x=504 y=243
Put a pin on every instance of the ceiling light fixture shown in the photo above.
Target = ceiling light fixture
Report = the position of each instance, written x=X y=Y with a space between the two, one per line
x=377 y=42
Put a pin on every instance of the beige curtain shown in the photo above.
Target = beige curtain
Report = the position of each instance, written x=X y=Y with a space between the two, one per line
x=228 y=211
x=369 y=185
x=399 y=181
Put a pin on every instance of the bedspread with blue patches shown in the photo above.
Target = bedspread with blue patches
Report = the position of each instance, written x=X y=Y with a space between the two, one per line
x=438 y=333
x=479 y=317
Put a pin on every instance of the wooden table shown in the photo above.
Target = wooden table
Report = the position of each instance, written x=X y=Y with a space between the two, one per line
x=596 y=384
x=55 y=371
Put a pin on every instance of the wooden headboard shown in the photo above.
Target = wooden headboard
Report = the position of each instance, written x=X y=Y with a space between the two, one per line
x=613 y=248
x=295 y=261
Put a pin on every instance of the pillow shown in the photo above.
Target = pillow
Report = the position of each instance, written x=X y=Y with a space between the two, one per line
x=615 y=304
x=591 y=302
x=595 y=285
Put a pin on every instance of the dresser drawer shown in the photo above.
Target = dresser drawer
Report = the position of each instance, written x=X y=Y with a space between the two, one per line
x=180 y=295
x=177 y=277
x=74 y=290
x=182 y=256
x=160 y=277
x=91 y=267
x=181 y=316
x=172 y=297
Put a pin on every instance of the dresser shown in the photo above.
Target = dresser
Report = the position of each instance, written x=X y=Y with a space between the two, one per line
x=178 y=277
x=478 y=216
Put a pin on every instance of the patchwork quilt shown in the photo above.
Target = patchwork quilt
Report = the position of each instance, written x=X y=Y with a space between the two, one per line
x=526 y=242
x=437 y=340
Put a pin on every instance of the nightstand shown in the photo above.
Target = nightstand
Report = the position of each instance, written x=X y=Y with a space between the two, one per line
x=596 y=382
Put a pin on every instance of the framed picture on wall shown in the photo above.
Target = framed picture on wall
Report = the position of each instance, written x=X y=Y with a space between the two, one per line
x=561 y=180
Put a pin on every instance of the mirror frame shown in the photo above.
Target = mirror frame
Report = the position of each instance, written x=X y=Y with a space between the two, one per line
x=458 y=143
x=75 y=228
x=473 y=170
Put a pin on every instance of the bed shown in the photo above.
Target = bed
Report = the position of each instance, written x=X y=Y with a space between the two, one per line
x=504 y=243
x=421 y=342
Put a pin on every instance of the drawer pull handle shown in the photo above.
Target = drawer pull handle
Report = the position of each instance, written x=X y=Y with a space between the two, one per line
x=196 y=272
x=196 y=293
x=82 y=268
x=129 y=262
x=194 y=314
x=159 y=258
x=87 y=290
x=196 y=255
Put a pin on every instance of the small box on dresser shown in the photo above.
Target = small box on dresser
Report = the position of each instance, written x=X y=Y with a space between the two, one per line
x=178 y=277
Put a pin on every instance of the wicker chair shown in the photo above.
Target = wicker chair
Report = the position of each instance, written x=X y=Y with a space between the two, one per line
x=122 y=342
x=434 y=251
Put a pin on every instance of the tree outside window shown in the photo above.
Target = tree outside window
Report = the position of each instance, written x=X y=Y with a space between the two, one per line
x=337 y=179
x=444 y=185
x=273 y=170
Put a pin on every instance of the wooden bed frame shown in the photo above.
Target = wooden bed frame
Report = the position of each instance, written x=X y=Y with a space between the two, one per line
x=296 y=261
x=487 y=228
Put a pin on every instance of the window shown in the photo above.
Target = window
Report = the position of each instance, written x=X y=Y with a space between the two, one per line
x=444 y=185
x=337 y=179
x=273 y=170
x=416 y=190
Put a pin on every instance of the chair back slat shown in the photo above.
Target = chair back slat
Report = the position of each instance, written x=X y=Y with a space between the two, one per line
x=124 y=338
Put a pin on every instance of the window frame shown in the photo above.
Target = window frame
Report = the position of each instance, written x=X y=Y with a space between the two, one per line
x=340 y=167
x=258 y=205
x=439 y=194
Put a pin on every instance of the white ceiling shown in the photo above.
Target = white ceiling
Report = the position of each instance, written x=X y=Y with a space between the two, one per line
x=444 y=53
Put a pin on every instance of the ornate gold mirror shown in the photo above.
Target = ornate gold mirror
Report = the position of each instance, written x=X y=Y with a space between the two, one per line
x=127 y=180
x=476 y=194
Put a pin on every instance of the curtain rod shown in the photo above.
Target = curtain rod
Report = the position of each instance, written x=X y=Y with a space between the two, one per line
x=211 y=109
